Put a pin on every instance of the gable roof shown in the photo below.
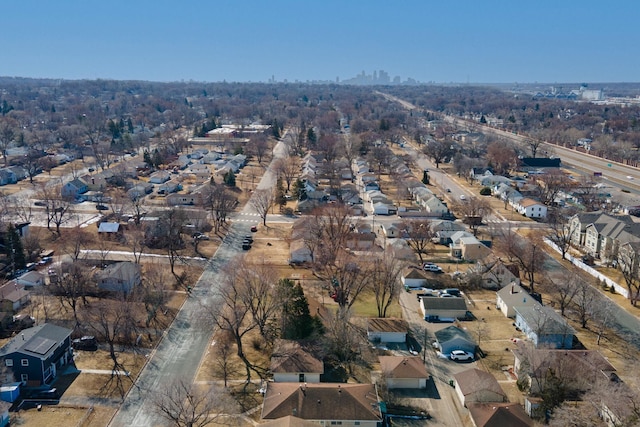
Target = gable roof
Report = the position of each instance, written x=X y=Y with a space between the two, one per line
x=544 y=320
x=39 y=341
x=451 y=332
x=388 y=324
x=403 y=367
x=414 y=274
x=289 y=356
x=475 y=380
x=498 y=415
x=515 y=295
x=13 y=292
x=108 y=227
x=321 y=401
x=289 y=421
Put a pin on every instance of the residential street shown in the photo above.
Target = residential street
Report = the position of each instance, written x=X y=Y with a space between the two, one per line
x=184 y=344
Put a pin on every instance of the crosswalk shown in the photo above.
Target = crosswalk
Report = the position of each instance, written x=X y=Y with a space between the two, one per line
x=246 y=217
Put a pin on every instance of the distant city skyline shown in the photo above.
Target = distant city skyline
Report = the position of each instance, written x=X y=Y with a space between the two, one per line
x=495 y=41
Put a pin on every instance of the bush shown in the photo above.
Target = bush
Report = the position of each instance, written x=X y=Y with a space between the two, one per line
x=485 y=191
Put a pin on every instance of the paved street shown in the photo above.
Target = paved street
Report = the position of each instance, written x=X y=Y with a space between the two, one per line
x=185 y=342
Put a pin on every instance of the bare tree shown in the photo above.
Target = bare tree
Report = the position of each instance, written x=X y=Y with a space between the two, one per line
x=72 y=287
x=185 y=405
x=528 y=253
x=419 y=236
x=262 y=200
x=57 y=206
x=7 y=133
x=533 y=144
x=438 y=150
x=135 y=239
x=629 y=262
x=219 y=201
x=584 y=301
x=550 y=184
x=223 y=365
x=473 y=210
x=259 y=296
x=232 y=314
x=562 y=230
x=113 y=322
x=385 y=281
x=563 y=291
x=342 y=340
x=348 y=276
x=153 y=293
x=289 y=169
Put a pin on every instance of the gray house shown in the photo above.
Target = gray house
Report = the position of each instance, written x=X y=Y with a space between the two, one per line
x=119 y=277
x=454 y=338
x=544 y=327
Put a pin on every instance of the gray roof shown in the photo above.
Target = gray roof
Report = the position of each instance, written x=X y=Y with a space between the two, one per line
x=515 y=296
x=435 y=303
x=108 y=227
x=545 y=319
x=451 y=332
x=39 y=341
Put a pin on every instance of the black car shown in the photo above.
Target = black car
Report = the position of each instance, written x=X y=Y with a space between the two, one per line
x=248 y=238
x=246 y=246
x=51 y=394
x=102 y=207
x=87 y=343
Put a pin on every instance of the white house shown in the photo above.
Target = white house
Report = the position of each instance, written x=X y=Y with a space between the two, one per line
x=413 y=279
x=531 y=208
x=292 y=363
x=512 y=296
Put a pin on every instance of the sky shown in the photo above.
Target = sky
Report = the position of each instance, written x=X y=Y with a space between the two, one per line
x=441 y=41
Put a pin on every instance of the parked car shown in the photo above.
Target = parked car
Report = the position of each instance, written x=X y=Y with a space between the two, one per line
x=254 y=228
x=463 y=197
x=87 y=343
x=40 y=203
x=102 y=207
x=246 y=246
x=248 y=238
x=433 y=269
x=461 y=356
x=51 y=394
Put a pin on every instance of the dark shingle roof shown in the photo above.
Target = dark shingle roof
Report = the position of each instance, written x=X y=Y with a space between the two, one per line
x=39 y=341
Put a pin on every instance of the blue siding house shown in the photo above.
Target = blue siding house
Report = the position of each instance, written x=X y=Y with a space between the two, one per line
x=544 y=327
x=36 y=355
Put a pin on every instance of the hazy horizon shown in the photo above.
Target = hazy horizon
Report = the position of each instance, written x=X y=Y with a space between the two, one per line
x=466 y=42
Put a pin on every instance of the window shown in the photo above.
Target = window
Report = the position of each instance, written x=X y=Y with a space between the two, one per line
x=24 y=362
x=8 y=362
x=24 y=378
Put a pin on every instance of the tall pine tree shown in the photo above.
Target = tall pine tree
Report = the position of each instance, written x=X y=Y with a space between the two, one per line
x=296 y=321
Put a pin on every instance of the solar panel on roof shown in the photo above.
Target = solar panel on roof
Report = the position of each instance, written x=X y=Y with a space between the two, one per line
x=40 y=345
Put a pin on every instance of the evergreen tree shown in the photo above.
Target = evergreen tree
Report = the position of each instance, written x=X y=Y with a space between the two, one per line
x=297 y=322
x=276 y=129
x=230 y=179
x=14 y=249
x=311 y=136
x=298 y=190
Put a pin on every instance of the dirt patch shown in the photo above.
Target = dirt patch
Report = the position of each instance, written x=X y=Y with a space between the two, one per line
x=63 y=416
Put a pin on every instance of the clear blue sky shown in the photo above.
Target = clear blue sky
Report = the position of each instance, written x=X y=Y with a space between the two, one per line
x=241 y=40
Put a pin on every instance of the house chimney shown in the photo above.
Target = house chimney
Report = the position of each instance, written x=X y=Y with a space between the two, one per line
x=513 y=288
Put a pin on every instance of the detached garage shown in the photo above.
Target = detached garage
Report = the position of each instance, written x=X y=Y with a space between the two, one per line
x=387 y=330
x=404 y=372
x=437 y=309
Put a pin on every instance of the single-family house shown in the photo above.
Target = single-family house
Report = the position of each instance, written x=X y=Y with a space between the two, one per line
x=119 y=277
x=494 y=273
x=387 y=329
x=531 y=208
x=544 y=327
x=21 y=173
x=159 y=177
x=383 y=208
x=435 y=206
x=326 y=404
x=13 y=297
x=109 y=229
x=371 y=186
x=169 y=187
x=360 y=241
x=96 y=182
x=474 y=385
x=477 y=173
x=404 y=372
x=496 y=414
x=140 y=190
x=31 y=279
x=435 y=309
x=454 y=338
x=390 y=231
x=189 y=199
x=512 y=296
x=290 y=362
x=7 y=176
x=532 y=365
x=299 y=252
x=38 y=354
x=466 y=246
x=413 y=279
x=288 y=421
x=444 y=229
x=74 y=189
